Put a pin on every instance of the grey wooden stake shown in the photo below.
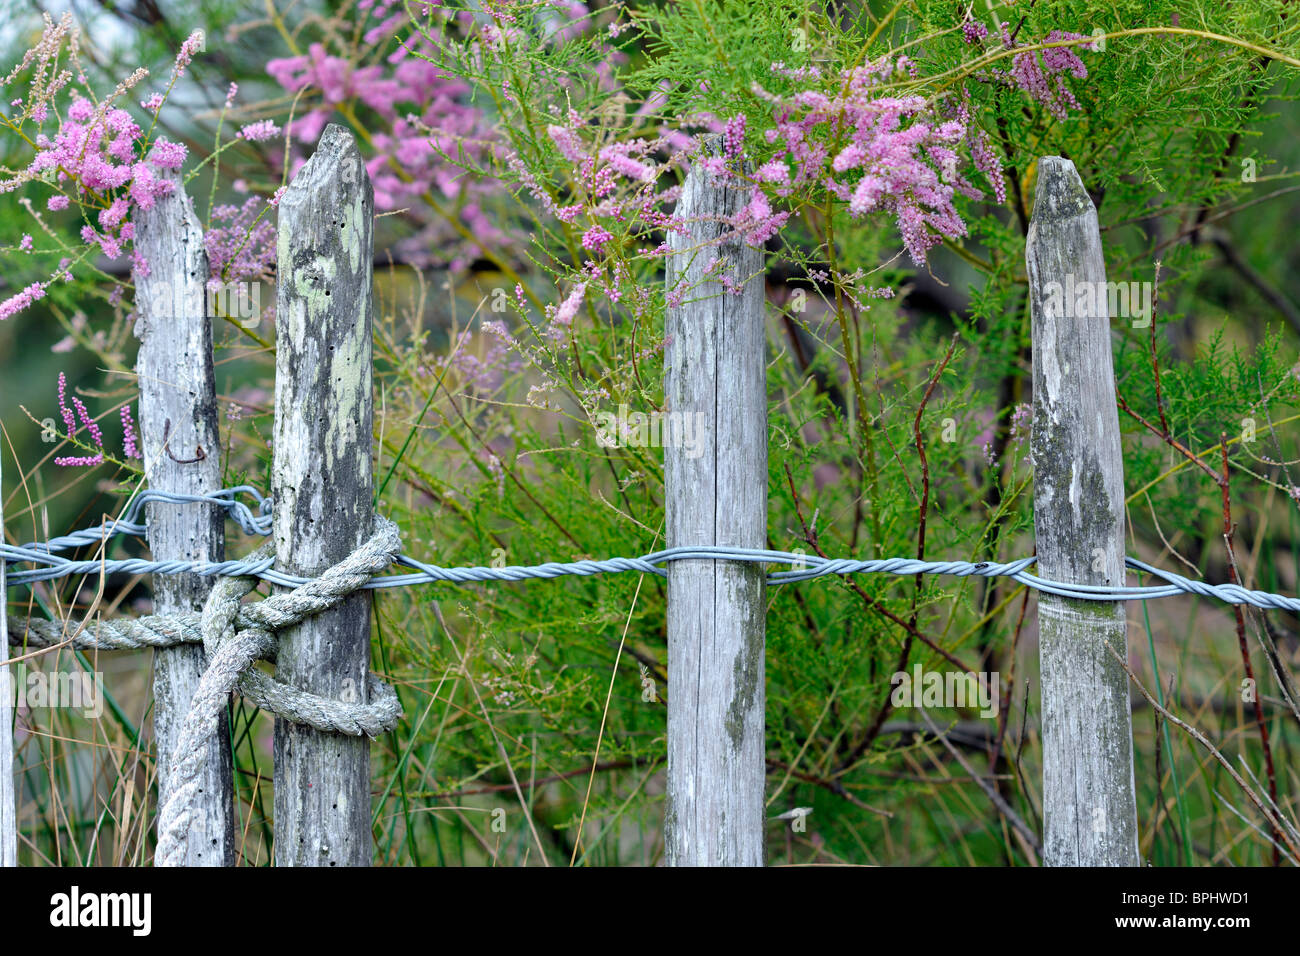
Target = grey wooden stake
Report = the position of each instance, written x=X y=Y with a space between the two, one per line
x=8 y=805
x=322 y=486
x=1089 y=807
x=179 y=442
x=716 y=491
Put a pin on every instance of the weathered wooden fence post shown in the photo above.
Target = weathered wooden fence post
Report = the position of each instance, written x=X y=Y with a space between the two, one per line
x=322 y=486
x=8 y=803
x=178 y=428
x=716 y=494
x=1089 y=807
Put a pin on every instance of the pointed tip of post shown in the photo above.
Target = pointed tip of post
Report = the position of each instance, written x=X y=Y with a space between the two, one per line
x=337 y=139
x=335 y=167
x=713 y=146
x=716 y=196
x=1060 y=193
x=161 y=215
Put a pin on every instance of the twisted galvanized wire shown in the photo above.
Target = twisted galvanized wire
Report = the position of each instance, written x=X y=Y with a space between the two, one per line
x=132 y=522
x=804 y=567
x=234 y=635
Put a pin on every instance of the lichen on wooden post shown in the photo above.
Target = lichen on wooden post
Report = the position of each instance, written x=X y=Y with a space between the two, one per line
x=178 y=430
x=322 y=486
x=1089 y=807
x=716 y=494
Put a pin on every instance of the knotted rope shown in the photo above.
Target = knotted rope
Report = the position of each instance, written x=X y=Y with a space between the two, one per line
x=234 y=636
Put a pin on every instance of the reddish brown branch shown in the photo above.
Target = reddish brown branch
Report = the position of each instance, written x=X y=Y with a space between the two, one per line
x=1155 y=360
x=1171 y=441
x=833 y=785
x=810 y=536
x=1235 y=578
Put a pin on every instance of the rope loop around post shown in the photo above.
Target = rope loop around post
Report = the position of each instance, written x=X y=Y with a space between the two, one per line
x=233 y=643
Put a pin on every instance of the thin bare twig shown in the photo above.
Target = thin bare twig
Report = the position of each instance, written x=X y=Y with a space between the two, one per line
x=1204 y=742
x=990 y=791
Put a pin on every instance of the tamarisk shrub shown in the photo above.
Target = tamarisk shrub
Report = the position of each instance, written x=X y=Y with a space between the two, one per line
x=527 y=160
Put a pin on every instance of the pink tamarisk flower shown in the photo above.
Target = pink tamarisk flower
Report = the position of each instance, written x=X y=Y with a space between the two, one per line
x=129 y=448
x=595 y=238
x=262 y=130
x=567 y=311
x=625 y=165
x=69 y=422
x=193 y=44
x=760 y=222
x=16 y=303
x=566 y=141
x=240 y=245
x=973 y=31
x=1041 y=73
x=733 y=136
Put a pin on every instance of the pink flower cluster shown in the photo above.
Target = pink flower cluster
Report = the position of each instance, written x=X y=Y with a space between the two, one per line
x=1022 y=423
x=758 y=221
x=1041 y=73
x=132 y=450
x=733 y=135
x=98 y=151
x=601 y=175
x=240 y=246
x=879 y=152
x=129 y=448
x=875 y=152
x=973 y=31
x=562 y=318
x=99 y=155
x=24 y=298
x=425 y=114
x=256 y=132
x=615 y=184
x=337 y=81
x=193 y=44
